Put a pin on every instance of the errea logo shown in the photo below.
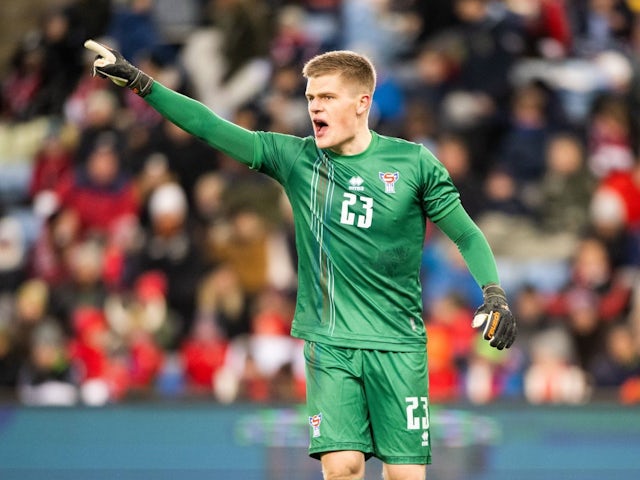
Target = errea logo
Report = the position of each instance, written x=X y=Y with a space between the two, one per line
x=355 y=183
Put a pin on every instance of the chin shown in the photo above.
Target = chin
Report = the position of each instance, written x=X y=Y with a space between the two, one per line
x=321 y=143
x=324 y=142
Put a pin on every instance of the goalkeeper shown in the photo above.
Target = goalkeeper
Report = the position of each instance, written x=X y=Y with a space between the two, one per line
x=360 y=201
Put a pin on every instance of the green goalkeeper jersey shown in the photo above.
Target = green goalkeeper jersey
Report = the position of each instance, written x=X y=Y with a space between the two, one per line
x=360 y=223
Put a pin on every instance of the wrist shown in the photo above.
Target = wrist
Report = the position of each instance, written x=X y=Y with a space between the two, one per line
x=494 y=294
x=492 y=288
x=141 y=84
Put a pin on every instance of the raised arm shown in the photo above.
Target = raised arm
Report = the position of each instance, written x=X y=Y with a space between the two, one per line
x=197 y=119
x=187 y=113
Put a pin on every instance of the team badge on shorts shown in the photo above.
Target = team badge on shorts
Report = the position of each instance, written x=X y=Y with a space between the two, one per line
x=315 y=421
x=389 y=180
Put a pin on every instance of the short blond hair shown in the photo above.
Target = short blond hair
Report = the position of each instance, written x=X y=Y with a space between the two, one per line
x=352 y=66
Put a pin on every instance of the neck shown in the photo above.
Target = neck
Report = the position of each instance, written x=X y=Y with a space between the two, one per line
x=358 y=144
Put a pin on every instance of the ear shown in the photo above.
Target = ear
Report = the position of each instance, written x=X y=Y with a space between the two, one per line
x=364 y=104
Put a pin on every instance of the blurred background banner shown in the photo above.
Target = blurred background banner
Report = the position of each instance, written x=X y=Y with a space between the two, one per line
x=240 y=442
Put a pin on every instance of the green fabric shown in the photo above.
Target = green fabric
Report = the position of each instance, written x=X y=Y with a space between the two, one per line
x=197 y=119
x=472 y=243
x=360 y=224
x=372 y=401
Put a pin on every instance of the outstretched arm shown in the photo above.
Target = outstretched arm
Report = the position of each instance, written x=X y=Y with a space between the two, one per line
x=197 y=119
x=187 y=113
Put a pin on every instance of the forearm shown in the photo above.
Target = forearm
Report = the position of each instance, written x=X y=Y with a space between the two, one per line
x=197 y=119
x=473 y=245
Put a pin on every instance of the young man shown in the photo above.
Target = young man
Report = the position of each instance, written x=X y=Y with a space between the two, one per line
x=360 y=203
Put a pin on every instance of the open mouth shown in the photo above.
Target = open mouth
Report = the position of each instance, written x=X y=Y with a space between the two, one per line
x=320 y=127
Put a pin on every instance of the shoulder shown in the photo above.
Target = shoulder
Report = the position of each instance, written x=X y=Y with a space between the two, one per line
x=284 y=142
x=403 y=145
x=385 y=140
x=412 y=152
x=278 y=153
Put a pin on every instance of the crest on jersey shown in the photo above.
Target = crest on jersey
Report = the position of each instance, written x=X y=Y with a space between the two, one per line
x=389 y=179
x=315 y=421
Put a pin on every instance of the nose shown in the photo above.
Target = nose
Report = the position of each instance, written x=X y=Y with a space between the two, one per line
x=314 y=105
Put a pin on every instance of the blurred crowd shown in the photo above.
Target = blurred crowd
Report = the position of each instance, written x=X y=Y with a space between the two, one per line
x=135 y=262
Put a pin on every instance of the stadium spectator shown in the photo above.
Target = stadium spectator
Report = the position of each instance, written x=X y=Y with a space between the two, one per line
x=13 y=253
x=166 y=246
x=607 y=214
x=444 y=375
x=291 y=43
x=202 y=353
x=236 y=48
x=553 y=376
x=592 y=275
x=132 y=27
x=52 y=164
x=89 y=351
x=521 y=151
x=22 y=84
x=222 y=298
x=84 y=285
x=566 y=187
x=282 y=103
x=451 y=311
x=595 y=296
x=454 y=153
x=209 y=196
x=62 y=45
x=610 y=136
x=24 y=313
x=546 y=25
x=99 y=195
x=100 y=120
x=47 y=377
x=623 y=189
x=187 y=158
x=600 y=25
x=619 y=362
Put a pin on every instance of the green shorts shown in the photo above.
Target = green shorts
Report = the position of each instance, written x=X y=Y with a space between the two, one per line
x=371 y=401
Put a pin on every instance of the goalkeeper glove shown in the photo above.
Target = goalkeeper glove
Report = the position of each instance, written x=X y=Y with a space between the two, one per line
x=112 y=65
x=499 y=324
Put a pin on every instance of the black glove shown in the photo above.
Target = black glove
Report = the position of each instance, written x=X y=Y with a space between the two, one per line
x=110 y=64
x=499 y=324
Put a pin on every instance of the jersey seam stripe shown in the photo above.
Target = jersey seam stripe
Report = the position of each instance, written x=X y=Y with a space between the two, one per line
x=313 y=195
x=330 y=282
x=317 y=218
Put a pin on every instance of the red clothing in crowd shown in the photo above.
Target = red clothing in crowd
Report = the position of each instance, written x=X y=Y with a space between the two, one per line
x=98 y=208
x=50 y=167
x=202 y=358
x=626 y=185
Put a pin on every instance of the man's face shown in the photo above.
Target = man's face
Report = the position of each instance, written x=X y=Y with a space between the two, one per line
x=336 y=109
x=103 y=165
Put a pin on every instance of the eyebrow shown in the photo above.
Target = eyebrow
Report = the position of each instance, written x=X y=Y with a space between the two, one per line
x=320 y=94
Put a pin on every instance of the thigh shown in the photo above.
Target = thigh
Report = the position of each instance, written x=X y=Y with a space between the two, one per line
x=397 y=388
x=336 y=404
